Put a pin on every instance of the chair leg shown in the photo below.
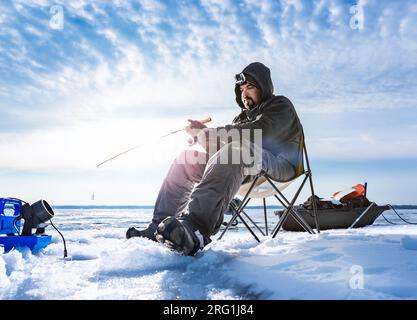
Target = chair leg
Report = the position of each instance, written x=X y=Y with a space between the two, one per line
x=280 y=223
x=241 y=207
x=316 y=217
x=242 y=211
x=297 y=218
x=290 y=208
x=266 y=217
x=316 y=214
x=234 y=216
x=253 y=222
x=247 y=226
x=246 y=215
x=300 y=220
x=237 y=215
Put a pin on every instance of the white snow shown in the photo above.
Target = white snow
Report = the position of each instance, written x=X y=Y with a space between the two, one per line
x=376 y=262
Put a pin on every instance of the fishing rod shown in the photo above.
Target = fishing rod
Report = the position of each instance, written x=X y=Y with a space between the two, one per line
x=206 y=120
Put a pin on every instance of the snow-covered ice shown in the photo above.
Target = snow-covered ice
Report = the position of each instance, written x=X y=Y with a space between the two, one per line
x=376 y=262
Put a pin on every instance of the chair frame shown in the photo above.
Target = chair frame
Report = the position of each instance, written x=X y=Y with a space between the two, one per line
x=288 y=205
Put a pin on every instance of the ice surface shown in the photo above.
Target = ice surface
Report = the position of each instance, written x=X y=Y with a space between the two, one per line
x=376 y=262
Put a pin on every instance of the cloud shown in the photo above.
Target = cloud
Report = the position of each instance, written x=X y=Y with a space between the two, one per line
x=125 y=59
x=34 y=31
x=310 y=49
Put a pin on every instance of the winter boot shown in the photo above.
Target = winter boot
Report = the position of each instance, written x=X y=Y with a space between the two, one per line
x=149 y=232
x=178 y=235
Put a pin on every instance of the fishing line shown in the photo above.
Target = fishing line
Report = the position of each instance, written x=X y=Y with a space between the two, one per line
x=206 y=120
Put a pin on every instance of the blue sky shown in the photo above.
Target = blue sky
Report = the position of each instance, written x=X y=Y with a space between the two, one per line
x=121 y=73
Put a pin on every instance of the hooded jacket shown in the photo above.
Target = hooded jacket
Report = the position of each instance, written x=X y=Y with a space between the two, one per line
x=275 y=115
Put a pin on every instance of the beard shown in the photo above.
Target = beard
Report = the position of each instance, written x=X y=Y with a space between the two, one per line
x=248 y=102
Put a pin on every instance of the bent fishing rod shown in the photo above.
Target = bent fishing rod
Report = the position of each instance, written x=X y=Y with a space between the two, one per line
x=206 y=120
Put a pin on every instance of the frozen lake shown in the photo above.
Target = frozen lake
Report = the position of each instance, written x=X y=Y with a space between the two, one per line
x=375 y=262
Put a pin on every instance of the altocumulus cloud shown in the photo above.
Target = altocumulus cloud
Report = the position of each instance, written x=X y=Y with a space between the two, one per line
x=164 y=59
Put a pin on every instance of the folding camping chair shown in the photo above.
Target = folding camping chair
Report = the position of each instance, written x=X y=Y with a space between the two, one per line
x=264 y=186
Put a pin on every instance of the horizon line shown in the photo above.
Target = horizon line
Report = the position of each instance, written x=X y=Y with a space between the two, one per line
x=110 y=206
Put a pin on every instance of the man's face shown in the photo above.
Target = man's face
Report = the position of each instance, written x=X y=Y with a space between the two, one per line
x=250 y=95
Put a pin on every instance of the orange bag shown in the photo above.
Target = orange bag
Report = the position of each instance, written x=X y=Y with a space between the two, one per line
x=353 y=192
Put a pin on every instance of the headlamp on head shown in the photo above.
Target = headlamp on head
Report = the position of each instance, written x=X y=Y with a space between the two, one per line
x=240 y=79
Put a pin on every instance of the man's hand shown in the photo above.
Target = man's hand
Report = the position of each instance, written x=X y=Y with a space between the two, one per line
x=194 y=125
x=192 y=129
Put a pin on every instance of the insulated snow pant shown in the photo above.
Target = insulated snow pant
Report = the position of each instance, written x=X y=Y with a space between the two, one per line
x=198 y=188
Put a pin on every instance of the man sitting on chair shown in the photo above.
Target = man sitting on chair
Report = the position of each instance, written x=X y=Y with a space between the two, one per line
x=195 y=194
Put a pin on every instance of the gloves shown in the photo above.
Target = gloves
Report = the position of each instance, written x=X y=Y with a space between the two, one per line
x=194 y=124
x=193 y=129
